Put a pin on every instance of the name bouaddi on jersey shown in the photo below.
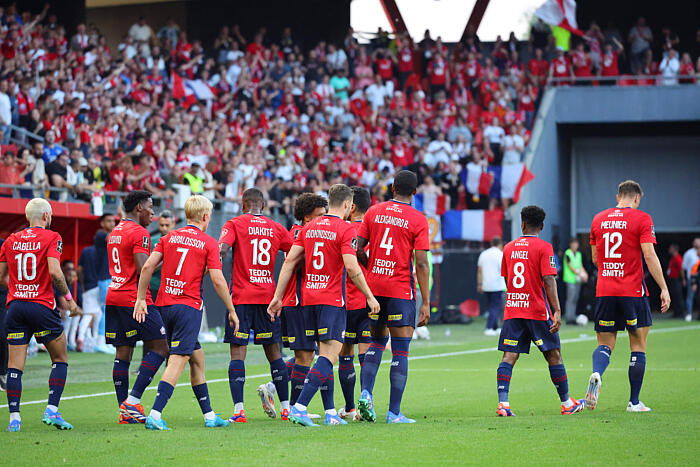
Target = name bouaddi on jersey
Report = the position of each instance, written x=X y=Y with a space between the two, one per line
x=526 y=261
x=127 y=239
x=325 y=240
x=255 y=241
x=187 y=254
x=26 y=253
x=292 y=296
x=617 y=235
x=393 y=229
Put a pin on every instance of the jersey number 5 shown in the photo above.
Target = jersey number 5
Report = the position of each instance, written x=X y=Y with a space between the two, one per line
x=318 y=260
x=24 y=272
x=613 y=240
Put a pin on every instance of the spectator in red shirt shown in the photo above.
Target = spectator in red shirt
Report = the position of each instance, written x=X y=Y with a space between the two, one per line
x=686 y=72
x=609 y=61
x=676 y=280
x=560 y=68
x=538 y=67
x=439 y=75
x=581 y=62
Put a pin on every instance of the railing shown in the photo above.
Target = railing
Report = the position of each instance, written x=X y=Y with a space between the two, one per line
x=629 y=80
x=25 y=138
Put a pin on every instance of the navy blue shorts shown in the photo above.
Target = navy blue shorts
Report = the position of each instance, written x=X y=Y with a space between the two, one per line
x=255 y=318
x=301 y=327
x=395 y=312
x=517 y=333
x=24 y=319
x=357 y=327
x=182 y=324
x=284 y=330
x=328 y=321
x=614 y=314
x=122 y=329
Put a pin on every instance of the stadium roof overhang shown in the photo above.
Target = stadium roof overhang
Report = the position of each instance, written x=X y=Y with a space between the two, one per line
x=393 y=14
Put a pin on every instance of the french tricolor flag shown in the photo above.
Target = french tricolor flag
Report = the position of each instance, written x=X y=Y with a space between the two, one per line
x=431 y=203
x=508 y=180
x=475 y=225
x=476 y=179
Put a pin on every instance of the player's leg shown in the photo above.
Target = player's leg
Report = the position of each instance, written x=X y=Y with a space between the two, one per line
x=398 y=374
x=172 y=373
x=302 y=365
x=201 y=390
x=607 y=323
x=373 y=358
x=16 y=358
x=58 y=351
x=638 y=361
x=272 y=332
x=503 y=377
x=236 y=367
x=115 y=333
x=514 y=340
x=557 y=373
x=347 y=376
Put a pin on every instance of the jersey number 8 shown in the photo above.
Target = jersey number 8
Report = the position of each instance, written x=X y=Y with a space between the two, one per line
x=518 y=277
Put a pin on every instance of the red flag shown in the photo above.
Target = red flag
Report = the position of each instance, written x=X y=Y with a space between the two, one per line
x=178 y=86
x=560 y=13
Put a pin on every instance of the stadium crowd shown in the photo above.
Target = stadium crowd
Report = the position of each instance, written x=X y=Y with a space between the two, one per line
x=163 y=108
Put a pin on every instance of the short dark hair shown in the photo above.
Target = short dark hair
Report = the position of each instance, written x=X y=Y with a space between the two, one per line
x=338 y=194
x=166 y=214
x=361 y=198
x=496 y=241
x=533 y=216
x=307 y=203
x=405 y=183
x=629 y=188
x=254 y=196
x=135 y=198
x=105 y=216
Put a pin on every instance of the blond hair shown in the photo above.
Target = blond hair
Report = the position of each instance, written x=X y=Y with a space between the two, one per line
x=196 y=207
x=36 y=208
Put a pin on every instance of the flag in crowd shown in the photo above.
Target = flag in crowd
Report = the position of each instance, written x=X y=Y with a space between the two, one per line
x=472 y=224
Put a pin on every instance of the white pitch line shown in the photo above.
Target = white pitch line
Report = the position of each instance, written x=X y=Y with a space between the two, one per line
x=417 y=357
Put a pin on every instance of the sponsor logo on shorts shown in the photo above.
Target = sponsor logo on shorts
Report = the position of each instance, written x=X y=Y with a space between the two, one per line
x=111 y=335
x=310 y=332
x=606 y=323
x=394 y=317
x=510 y=342
x=174 y=343
x=632 y=322
x=263 y=335
x=292 y=339
x=131 y=333
x=374 y=317
x=285 y=339
x=15 y=335
x=242 y=335
x=539 y=342
x=323 y=331
x=42 y=333
x=366 y=334
x=350 y=334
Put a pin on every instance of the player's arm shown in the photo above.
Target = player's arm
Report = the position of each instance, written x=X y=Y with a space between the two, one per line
x=221 y=288
x=59 y=281
x=657 y=273
x=479 y=276
x=223 y=250
x=423 y=276
x=550 y=286
x=594 y=256
x=295 y=255
x=361 y=252
x=139 y=261
x=352 y=267
x=147 y=269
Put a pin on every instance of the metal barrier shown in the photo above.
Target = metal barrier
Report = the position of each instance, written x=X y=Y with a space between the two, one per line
x=25 y=138
x=631 y=80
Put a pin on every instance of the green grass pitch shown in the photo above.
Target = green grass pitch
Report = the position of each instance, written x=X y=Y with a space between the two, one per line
x=451 y=392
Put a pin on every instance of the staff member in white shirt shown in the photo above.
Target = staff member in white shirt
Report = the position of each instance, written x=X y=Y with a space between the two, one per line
x=490 y=282
x=690 y=257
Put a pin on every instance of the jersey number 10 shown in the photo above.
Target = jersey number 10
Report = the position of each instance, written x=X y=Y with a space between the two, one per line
x=24 y=270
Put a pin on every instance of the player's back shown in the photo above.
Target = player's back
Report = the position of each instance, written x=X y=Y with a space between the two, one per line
x=26 y=254
x=127 y=239
x=326 y=239
x=255 y=240
x=355 y=298
x=292 y=296
x=187 y=254
x=617 y=235
x=526 y=261
x=394 y=229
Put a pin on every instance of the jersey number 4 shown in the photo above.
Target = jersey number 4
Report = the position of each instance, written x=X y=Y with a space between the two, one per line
x=613 y=240
x=387 y=242
x=25 y=270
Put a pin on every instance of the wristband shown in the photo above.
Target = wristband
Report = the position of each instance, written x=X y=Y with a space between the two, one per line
x=68 y=296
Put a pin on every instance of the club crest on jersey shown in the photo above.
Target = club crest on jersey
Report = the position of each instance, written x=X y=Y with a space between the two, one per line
x=145 y=241
x=553 y=262
x=59 y=246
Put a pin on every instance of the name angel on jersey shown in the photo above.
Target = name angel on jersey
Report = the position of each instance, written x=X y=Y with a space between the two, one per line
x=187 y=241
x=26 y=290
x=519 y=254
x=260 y=276
x=26 y=246
x=317 y=281
x=517 y=300
x=612 y=269
x=383 y=266
x=391 y=220
x=174 y=286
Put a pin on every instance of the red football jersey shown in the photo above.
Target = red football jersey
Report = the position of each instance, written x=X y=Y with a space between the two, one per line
x=187 y=254
x=325 y=240
x=292 y=296
x=127 y=239
x=617 y=235
x=393 y=229
x=526 y=261
x=26 y=253
x=356 y=299
x=255 y=240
